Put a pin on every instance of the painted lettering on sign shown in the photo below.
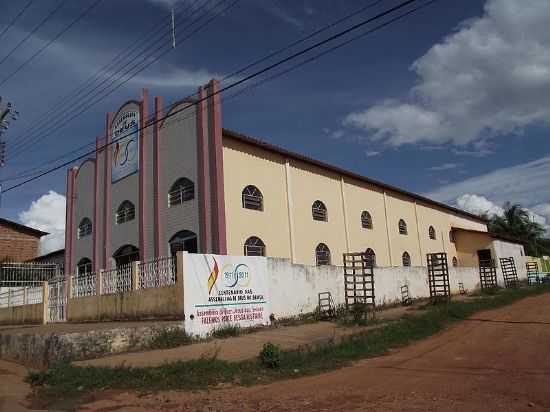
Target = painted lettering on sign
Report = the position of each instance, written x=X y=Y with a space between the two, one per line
x=125 y=147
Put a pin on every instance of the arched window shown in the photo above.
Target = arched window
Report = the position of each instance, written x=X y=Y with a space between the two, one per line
x=322 y=254
x=253 y=198
x=370 y=257
x=84 y=228
x=125 y=212
x=181 y=191
x=431 y=232
x=406 y=259
x=126 y=254
x=366 y=220
x=455 y=261
x=319 y=211
x=254 y=246
x=402 y=227
x=184 y=240
x=452 y=236
x=83 y=267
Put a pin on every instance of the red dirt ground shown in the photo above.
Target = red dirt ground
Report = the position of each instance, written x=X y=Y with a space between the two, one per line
x=497 y=361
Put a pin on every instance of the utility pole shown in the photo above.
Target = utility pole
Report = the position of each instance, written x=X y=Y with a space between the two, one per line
x=7 y=115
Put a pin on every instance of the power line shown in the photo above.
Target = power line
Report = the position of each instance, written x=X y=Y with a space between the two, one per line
x=29 y=34
x=49 y=43
x=272 y=54
x=149 y=59
x=66 y=99
x=253 y=75
x=16 y=17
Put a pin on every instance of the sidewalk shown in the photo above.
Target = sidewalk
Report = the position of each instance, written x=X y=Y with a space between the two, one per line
x=246 y=346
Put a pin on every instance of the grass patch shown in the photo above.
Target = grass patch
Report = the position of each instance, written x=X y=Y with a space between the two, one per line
x=170 y=338
x=226 y=331
x=66 y=380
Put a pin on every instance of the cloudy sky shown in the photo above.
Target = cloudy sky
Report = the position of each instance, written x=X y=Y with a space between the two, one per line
x=452 y=102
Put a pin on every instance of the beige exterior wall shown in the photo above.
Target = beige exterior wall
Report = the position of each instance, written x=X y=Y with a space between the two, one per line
x=468 y=245
x=289 y=188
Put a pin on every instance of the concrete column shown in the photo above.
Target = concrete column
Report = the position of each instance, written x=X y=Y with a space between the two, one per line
x=180 y=258
x=387 y=228
x=290 y=205
x=344 y=213
x=45 y=301
x=25 y=296
x=99 y=283
x=418 y=233
x=135 y=275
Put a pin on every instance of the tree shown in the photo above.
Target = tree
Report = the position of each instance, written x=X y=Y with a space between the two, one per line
x=515 y=222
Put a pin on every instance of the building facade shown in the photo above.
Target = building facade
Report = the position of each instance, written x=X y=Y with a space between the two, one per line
x=18 y=242
x=168 y=179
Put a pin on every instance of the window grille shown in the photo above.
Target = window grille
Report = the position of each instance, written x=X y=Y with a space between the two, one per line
x=84 y=266
x=254 y=246
x=181 y=191
x=126 y=212
x=84 y=228
x=370 y=257
x=253 y=198
x=322 y=254
x=431 y=232
x=406 y=259
x=402 y=227
x=366 y=220
x=319 y=211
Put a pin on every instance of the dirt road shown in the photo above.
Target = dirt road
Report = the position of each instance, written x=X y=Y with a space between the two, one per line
x=498 y=361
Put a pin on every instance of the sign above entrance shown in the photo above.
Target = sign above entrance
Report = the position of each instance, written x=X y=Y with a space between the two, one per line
x=125 y=147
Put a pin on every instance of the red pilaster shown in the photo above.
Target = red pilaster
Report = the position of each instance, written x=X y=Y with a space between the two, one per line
x=107 y=192
x=95 y=238
x=69 y=222
x=142 y=173
x=202 y=154
x=156 y=174
x=216 y=169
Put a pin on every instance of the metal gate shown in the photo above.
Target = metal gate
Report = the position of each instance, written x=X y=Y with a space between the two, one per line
x=509 y=272
x=487 y=274
x=359 y=281
x=57 y=300
x=438 y=277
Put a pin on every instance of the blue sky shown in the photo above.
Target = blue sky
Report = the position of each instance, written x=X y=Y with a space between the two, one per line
x=450 y=102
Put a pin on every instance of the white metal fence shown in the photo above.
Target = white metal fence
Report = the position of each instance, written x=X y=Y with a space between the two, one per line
x=157 y=272
x=20 y=296
x=84 y=285
x=13 y=274
x=154 y=273
x=116 y=280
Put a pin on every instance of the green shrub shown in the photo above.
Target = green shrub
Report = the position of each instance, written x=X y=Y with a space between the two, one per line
x=170 y=338
x=270 y=355
x=226 y=331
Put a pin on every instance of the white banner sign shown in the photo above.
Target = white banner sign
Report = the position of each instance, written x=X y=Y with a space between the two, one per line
x=125 y=148
x=224 y=290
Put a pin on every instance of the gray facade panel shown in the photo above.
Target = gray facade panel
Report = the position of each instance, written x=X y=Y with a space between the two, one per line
x=83 y=207
x=178 y=154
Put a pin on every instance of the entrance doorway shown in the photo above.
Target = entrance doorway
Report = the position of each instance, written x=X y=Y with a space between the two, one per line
x=184 y=240
x=484 y=255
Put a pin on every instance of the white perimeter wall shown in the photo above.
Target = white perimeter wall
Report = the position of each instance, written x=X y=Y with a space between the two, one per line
x=294 y=288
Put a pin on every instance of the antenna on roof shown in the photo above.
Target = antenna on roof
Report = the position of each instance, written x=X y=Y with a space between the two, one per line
x=173 y=30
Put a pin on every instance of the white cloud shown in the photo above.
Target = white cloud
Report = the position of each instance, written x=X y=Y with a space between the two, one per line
x=489 y=78
x=526 y=184
x=478 y=205
x=445 y=166
x=372 y=153
x=47 y=213
x=171 y=76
